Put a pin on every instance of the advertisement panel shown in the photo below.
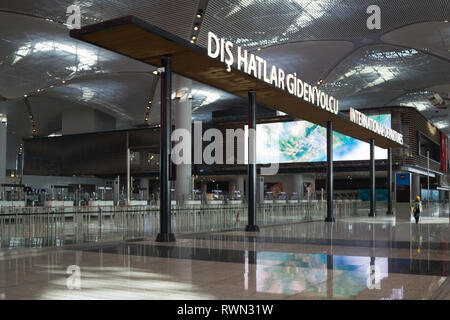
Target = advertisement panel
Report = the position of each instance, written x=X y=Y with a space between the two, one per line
x=443 y=153
x=302 y=141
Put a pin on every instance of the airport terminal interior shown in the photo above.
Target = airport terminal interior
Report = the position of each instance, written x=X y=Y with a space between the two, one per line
x=224 y=150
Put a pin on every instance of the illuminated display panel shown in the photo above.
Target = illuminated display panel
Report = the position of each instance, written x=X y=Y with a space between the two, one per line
x=292 y=273
x=303 y=141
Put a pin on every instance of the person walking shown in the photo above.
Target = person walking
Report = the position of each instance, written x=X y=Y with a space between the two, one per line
x=416 y=208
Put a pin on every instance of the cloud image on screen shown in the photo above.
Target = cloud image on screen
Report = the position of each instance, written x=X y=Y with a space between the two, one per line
x=302 y=141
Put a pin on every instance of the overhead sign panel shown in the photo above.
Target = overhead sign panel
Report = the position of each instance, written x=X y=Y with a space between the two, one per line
x=375 y=126
x=258 y=67
x=282 y=91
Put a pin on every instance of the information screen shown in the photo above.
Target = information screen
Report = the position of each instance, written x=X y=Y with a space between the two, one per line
x=303 y=141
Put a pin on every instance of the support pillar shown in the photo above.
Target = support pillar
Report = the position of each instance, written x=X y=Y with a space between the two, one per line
x=183 y=120
x=297 y=185
x=165 y=234
x=128 y=171
x=330 y=190
x=143 y=184
x=415 y=186
x=3 y=141
x=372 y=212
x=389 y=182
x=252 y=226
x=204 y=188
x=231 y=187
x=240 y=185
x=117 y=191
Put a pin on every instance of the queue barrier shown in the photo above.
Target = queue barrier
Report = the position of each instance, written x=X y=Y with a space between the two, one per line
x=95 y=224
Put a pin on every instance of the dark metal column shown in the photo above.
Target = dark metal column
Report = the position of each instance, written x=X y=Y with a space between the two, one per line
x=252 y=226
x=165 y=234
x=330 y=190
x=372 y=212
x=389 y=181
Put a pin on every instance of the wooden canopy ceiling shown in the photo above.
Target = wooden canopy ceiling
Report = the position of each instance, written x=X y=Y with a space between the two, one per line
x=137 y=39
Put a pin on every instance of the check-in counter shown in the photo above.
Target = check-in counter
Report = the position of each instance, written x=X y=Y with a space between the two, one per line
x=293 y=201
x=173 y=203
x=192 y=202
x=19 y=204
x=54 y=203
x=215 y=202
x=100 y=203
x=138 y=203
x=268 y=201
x=280 y=201
x=235 y=202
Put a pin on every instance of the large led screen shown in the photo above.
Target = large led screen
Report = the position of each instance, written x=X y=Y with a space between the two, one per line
x=302 y=141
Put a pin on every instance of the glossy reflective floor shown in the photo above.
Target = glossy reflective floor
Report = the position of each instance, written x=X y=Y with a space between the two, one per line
x=354 y=258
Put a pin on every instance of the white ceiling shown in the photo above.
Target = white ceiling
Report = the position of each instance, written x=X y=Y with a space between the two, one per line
x=402 y=64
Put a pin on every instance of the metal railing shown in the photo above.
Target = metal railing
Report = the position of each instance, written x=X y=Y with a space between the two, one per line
x=40 y=226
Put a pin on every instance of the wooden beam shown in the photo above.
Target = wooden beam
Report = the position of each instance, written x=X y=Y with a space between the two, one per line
x=139 y=40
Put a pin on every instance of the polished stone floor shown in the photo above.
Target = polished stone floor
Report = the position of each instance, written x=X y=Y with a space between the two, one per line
x=353 y=258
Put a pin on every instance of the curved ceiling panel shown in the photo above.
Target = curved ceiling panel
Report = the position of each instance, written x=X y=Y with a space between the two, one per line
x=433 y=37
x=177 y=19
x=382 y=73
x=261 y=23
x=122 y=96
x=36 y=54
x=311 y=59
x=419 y=101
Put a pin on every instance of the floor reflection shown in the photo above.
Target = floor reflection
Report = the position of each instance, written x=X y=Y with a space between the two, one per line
x=358 y=259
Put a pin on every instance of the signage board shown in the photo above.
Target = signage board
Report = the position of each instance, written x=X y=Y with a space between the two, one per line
x=253 y=65
x=373 y=125
x=403 y=187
